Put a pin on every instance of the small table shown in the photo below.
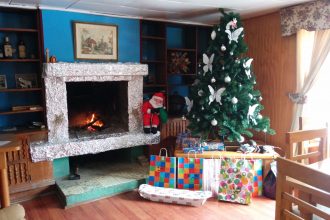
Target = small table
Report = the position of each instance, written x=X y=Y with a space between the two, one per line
x=267 y=157
x=6 y=146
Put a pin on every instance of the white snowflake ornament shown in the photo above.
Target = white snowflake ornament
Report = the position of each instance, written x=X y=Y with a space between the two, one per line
x=213 y=35
x=234 y=100
x=227 y=79
x=214 y=122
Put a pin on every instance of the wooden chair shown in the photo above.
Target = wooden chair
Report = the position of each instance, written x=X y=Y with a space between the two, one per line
x=291 y=174
x=306 y=123
x=296 y=139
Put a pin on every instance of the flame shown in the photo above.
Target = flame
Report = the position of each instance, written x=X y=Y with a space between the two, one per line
x=98 y=123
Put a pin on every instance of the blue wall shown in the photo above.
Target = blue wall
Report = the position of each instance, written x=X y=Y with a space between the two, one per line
x=58 y=38
x=58 y=34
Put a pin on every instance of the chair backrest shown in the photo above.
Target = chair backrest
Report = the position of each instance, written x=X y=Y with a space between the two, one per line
x=310 y=182
x=295 y=138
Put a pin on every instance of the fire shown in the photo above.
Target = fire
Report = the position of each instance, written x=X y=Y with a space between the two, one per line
x=97 y=123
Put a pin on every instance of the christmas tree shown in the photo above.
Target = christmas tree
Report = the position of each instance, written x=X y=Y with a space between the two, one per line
x=223 y=101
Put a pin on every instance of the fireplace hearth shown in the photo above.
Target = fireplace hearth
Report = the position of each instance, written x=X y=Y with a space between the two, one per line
x=76 y=91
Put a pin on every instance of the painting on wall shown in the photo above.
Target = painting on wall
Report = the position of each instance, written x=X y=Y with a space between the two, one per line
x=95 y=41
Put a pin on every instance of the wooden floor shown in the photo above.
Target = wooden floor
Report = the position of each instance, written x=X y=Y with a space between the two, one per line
x=131 y=206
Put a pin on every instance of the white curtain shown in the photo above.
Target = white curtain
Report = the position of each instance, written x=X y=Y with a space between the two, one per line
x=312 y=50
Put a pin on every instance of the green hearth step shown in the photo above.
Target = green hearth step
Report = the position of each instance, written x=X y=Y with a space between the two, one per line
x=99 y=180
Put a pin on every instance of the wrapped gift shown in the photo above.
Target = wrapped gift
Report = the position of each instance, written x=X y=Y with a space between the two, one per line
x=211 y=175
x=190 y=173
x=236 y=180
x=213 y=146
x=184 y=140
x=257 y=178
x=162 y=170
x=174 y=196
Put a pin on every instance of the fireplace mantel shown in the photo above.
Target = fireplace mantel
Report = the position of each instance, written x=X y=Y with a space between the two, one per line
x=55 y=77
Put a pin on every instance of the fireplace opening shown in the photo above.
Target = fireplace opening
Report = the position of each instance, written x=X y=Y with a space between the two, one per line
x=96 y=108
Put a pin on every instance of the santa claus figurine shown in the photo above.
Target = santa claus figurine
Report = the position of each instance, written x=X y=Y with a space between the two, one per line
x=152 y=110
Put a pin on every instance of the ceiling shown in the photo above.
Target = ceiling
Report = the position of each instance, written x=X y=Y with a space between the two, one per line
x=187 y=11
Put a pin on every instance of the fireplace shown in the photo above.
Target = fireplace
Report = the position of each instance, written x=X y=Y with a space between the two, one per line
x=77 y=94
x=97 y=107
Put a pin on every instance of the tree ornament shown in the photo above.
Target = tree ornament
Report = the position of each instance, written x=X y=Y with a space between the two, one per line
x=247 y=68
x=241 y=139
x=199 y=65
x=227 y=79
x=198 y=120
x=219 y=29
x=260 y=99
x=200 y=92
x=231 y=53
x=223 y=68
x=214 y=122
x=189 y=103
x=196 y=82
x=213 y=80
x=193 y=116
x=234 y=100
x=232 y=24
x=259 y=116
x=251 y=110
x=215 y=95
x=223 y=48
x=250 y=96
x=208 y=62
x=233 y=36
x=213 y=35
x=202 y=108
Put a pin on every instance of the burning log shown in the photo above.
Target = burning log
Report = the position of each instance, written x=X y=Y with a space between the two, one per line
x=89 y=124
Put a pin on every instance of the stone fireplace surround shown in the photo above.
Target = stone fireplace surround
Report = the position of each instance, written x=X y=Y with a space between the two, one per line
x=59 y=144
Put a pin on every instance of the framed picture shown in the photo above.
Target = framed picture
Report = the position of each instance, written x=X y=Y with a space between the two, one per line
x=95 y=41
x=24 y=81
x=3 y=82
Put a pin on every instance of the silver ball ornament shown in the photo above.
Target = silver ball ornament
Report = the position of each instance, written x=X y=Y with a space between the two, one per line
x=260 y=99
x=223 y=48
x=231 y=53
x=259 y=116
x=213 y=80
x=198 y=120
x=214 y=122
x=227 y=79
x=200 y=92
x=234 y=100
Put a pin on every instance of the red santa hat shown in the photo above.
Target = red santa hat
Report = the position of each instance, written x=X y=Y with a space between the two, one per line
x=159 y=95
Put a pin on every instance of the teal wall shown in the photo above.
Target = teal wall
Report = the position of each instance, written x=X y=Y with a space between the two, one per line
x=58 y=38
x=58 y=34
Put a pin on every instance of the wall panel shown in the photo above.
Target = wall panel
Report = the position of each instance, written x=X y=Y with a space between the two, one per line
x=275 y=68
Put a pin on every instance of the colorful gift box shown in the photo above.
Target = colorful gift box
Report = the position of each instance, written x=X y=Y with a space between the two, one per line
x=257 y=178
x=162 y=171
x=236 y=180
x=190 y=173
